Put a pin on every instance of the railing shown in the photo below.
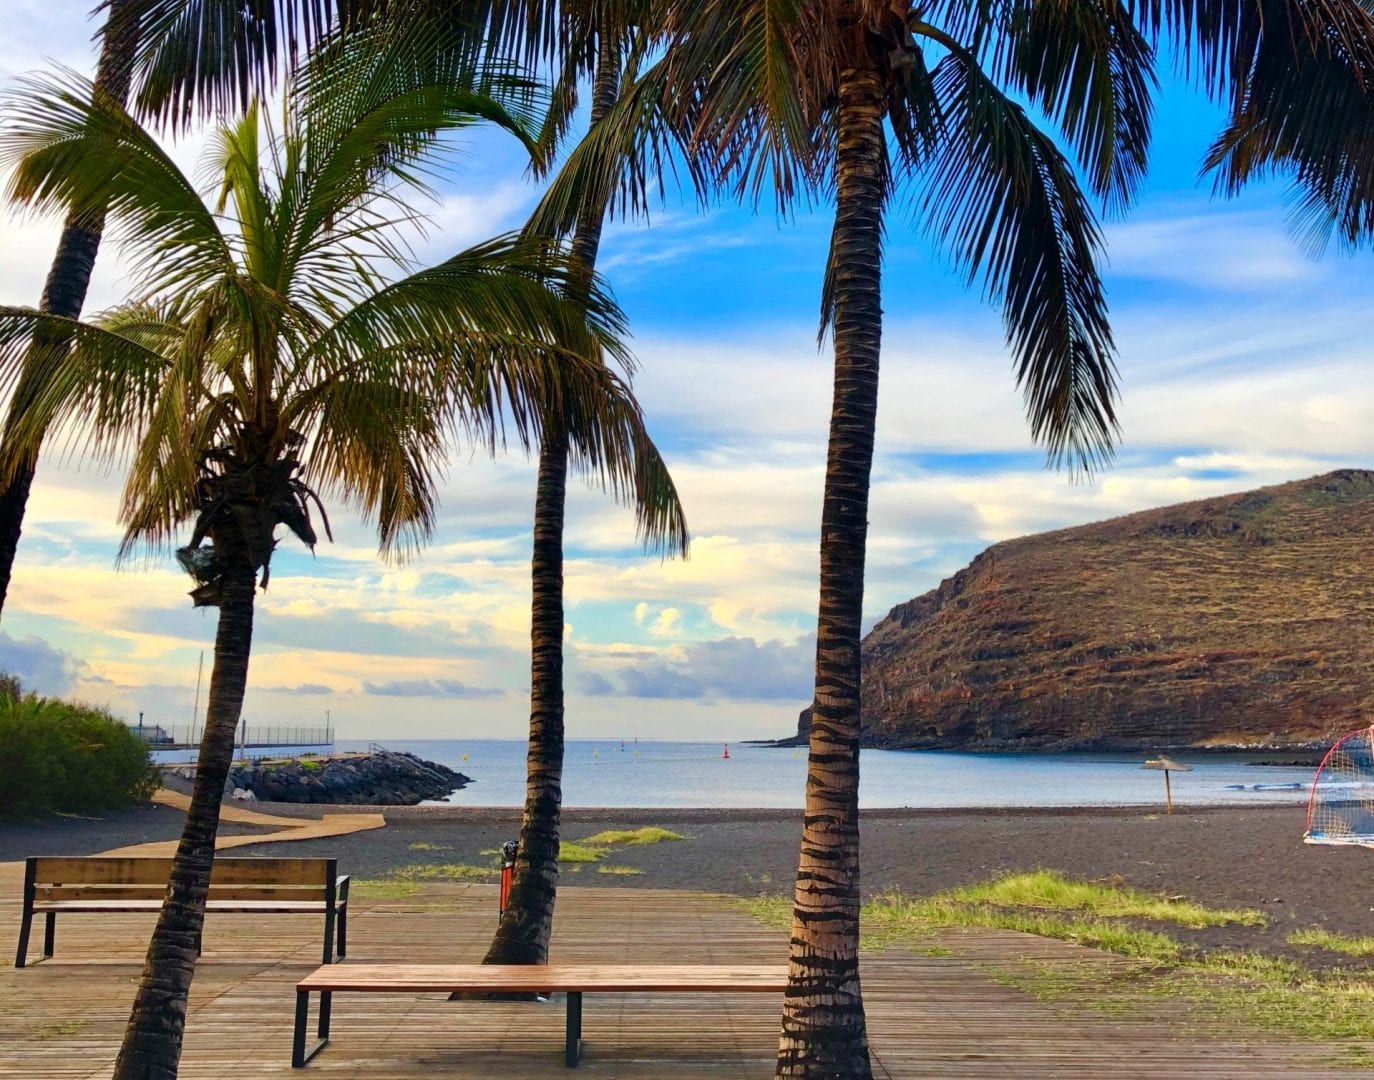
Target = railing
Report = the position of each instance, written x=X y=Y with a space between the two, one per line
x=170 y=736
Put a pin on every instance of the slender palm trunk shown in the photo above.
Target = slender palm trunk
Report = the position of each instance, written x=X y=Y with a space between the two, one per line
x=64 y=292
x=152 y=1040
x=522 y=937
x=823 y=1028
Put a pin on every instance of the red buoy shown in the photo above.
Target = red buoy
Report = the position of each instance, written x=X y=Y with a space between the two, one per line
x=726 y=755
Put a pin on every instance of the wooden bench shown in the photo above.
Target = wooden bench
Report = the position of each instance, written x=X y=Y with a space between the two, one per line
x=572 y=979
x=97 y=884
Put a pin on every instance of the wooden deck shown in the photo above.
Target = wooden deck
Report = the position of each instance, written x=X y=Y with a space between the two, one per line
x=929 y=1016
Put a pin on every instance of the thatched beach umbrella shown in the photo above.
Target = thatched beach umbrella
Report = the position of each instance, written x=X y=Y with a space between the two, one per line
x=1167 y=765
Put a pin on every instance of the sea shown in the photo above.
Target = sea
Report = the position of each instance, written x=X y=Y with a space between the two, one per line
x=612 y=773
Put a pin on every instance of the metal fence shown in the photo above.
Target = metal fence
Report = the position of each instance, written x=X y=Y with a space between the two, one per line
x=167 y=736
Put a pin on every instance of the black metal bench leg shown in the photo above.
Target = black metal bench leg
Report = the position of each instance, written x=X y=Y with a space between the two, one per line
x=49 y=933
x=300 y=1053
x=572 y=1050
x=329 y=935
x=342 y=949
x=21 y=956
x=298 y=1035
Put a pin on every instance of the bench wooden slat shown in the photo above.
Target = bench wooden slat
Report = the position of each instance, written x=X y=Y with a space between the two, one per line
x=138 y=870
x=156 y=905
x=45 y=893
x=590 y=978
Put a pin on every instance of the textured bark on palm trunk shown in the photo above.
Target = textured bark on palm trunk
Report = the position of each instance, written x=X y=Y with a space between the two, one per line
x=823 y=1027
x=522 y=937
x=64 y=292
x=152 y=1040
x=523 y=934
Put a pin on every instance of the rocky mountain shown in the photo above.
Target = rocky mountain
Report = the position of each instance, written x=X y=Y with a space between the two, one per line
x=1246 y=620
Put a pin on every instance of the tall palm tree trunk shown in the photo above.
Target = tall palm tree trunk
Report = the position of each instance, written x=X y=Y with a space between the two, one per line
x=522 y=937
x=64 y=292
x=152 y=1040
x=823 y=1028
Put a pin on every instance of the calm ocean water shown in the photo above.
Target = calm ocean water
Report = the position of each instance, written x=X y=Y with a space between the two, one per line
x=673 y=774
x=677 y=774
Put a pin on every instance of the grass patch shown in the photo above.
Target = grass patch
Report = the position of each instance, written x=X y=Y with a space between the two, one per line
x=425 y=845
x=443 y=872
x=1323 y=939
x=571 y=851
x=650 y=834
x=1225 y=989
x=620 y=871
x=381 y=889
x=1048 y=890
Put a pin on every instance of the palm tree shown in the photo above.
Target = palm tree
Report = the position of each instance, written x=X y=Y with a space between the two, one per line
x=851 y=100
x=64 y=292
x=268 y=360
x=591 y=41
x=193 y=58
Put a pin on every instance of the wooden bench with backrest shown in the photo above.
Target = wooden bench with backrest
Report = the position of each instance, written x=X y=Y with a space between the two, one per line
x=107 y=884
x=574 y=980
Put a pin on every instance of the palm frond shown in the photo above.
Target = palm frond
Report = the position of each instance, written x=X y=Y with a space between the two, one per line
x=621 y=162
x=206 y=58
x=71 y=149
x=751 y=81
x=1004 y=201
x=368 y=115
x=507 y=285
x=1086 y=64
x=93 y=386
x=1307 y=110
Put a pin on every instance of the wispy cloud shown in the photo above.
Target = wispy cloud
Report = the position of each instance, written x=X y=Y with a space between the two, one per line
x=1216 y=250
x=437 y=688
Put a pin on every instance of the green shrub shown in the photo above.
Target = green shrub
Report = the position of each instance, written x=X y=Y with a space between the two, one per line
x=58 y=755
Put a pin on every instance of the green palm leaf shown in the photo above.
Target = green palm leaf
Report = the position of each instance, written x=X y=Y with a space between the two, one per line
x=1004 y=201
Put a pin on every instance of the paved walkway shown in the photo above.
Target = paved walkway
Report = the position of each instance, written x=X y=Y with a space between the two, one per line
x=950 y=1012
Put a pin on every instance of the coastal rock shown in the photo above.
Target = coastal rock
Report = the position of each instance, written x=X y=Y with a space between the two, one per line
x=1235 y=623
x=377 y=778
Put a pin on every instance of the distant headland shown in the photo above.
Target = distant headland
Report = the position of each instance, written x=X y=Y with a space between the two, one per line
x=1242 y=622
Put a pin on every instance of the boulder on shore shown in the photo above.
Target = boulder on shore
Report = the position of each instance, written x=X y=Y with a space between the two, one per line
x=377 y=778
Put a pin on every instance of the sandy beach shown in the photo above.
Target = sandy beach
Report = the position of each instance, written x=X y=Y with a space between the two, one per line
x=1220 y=856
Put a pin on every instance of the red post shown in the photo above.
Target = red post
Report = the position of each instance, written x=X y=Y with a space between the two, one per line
x=508 y=852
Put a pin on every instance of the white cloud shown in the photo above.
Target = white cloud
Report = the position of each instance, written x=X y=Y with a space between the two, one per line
x=1217 y=250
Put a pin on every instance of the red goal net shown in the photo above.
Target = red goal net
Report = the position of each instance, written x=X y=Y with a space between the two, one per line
x=1341 y=807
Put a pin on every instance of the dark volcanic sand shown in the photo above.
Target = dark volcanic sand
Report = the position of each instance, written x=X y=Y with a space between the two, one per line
x=1221 y=857
x=60 y=834
x=1251 y=858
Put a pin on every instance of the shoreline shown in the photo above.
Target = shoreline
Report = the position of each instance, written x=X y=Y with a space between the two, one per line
x=641 y=815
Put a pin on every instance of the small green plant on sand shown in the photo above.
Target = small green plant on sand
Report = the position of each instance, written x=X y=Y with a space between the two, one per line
x=443 y=872
x=619 y=871
x=649 y=834
x=571 y=851
x=1046 y=889
x=425 y=845
x=1324 y=939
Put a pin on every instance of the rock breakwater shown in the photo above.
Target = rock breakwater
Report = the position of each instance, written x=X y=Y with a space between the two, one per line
x=377 y=778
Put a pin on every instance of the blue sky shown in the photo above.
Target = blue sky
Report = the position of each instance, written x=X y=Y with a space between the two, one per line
x=1244 y=362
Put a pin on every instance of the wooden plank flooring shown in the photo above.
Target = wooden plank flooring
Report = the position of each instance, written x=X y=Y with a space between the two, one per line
x=929 y=1016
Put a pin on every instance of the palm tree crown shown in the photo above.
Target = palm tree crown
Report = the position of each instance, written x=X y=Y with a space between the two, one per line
x=269 y=334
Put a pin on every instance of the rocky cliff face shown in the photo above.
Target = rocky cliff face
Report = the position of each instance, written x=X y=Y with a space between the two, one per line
x=1246 y=620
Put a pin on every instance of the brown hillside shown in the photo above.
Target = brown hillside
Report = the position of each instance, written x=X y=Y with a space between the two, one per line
x=1242 y=620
